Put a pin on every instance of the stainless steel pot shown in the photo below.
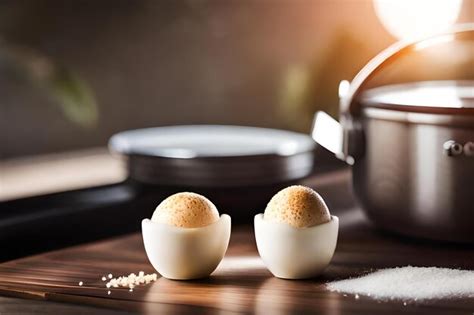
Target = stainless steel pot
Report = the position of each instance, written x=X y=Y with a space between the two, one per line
x=411 y=146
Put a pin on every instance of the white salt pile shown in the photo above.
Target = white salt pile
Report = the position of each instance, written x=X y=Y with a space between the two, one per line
x=410 y=283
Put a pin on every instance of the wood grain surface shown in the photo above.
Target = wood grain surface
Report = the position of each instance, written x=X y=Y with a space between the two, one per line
x=241 y=284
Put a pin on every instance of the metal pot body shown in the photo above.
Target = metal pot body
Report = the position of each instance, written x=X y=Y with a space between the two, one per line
x=416 y=174
x=411 y=142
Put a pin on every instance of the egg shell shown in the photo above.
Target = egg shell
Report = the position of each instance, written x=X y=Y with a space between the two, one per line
x=186 y=253
x=295 y=253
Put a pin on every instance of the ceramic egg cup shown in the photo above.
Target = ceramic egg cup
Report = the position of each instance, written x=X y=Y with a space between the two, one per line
x=186 y=253
x=295 y=253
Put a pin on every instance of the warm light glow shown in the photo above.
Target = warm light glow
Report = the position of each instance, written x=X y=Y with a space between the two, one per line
x=408 y=19
x=434 y=41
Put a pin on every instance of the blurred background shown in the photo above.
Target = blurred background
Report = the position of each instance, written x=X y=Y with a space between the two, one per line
x=153 y=63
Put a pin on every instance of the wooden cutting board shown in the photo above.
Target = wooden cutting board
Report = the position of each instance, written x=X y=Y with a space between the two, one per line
x=241 y=283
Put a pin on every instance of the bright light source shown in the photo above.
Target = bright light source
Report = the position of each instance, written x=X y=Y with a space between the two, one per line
x=408 y=19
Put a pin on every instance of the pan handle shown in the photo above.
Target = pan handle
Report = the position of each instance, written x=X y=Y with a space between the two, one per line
x=348 y=104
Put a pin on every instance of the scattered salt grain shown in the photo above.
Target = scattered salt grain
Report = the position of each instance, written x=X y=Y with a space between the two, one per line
x=81 y=283
x=108 y=292
x=410 y=283
x=104 y=278
x=132 y=280
x=110 y=276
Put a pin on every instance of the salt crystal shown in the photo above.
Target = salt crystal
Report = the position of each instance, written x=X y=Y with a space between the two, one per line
x=108 y=292
x=104 y=278
x=81 y=283
x=410 y=283
x=131 y=281
x=110 y=276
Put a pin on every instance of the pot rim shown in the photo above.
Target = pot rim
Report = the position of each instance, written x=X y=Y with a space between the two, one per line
x=457 y=97
x=448 y=120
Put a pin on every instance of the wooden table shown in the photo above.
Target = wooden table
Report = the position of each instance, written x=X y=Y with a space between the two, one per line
x=241 y=284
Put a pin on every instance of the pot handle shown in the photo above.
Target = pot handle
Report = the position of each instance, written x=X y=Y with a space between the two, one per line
x=346 y=143
x=327 y=132
x=348 y=104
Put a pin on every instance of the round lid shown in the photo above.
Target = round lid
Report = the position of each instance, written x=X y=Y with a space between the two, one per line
x=214 y=155
x=443 y=97
x=209 y=141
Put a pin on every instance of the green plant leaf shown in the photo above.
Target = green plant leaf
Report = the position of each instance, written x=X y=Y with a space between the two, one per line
x=73 y=96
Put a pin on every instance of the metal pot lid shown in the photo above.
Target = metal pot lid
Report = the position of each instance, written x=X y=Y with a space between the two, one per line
x=434 y=97
x=444 y=56
x=214 y=155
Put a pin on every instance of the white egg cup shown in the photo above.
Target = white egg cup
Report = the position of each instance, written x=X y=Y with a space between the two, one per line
x=295 y=253
x=186 y=253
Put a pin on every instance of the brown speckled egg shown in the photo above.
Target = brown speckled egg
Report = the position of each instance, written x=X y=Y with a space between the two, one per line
x=298 y=206
x=186 y=209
